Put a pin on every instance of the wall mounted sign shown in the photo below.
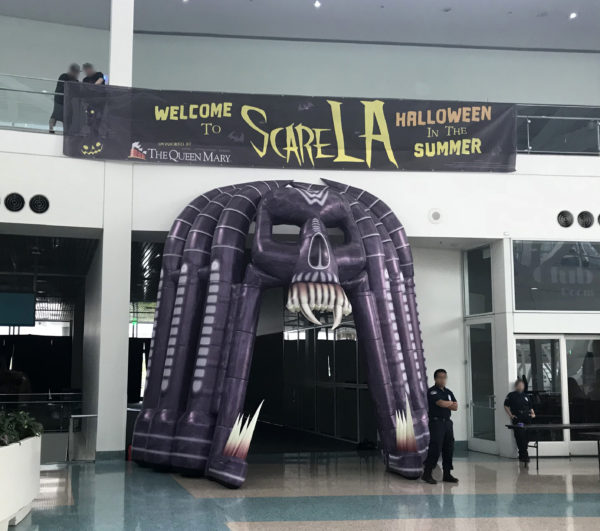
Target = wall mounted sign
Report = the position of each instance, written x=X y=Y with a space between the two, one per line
x=267 y=131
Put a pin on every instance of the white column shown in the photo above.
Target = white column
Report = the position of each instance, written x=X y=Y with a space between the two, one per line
x=106 y=356
x=114 y=310
x=121 y=42
x=505 y=362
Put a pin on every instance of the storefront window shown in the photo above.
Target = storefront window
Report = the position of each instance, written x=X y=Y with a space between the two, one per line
x=557 y=276
x=538 y=361
x=479 y=281
x=583 y=367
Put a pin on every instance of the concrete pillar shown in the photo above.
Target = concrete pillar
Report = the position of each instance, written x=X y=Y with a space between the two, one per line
x=121 y=42
x=505 y=367
x=107 y=336
x=114 y=312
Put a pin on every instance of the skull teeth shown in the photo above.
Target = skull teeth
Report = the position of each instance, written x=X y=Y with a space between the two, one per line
x=308 y=297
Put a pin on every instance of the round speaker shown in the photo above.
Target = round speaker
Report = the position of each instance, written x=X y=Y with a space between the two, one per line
x=435 y=216
x=14 y=202
x=39 y=204
x=565 y=218
x=585 y=219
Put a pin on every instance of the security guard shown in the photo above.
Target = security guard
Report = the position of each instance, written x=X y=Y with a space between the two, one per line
x=441 y=403
x=518 y=407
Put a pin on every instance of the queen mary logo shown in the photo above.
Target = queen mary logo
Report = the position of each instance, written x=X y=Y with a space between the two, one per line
x=137 y=151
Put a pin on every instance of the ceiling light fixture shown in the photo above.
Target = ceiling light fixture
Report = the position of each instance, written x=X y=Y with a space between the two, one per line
x=317 y=4
x=573 y=15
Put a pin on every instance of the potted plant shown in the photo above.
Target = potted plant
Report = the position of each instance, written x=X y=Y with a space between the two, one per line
x=19 y=465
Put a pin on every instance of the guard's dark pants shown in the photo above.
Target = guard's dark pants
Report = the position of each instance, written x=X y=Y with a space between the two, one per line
x=441 y=441
x=521 y=438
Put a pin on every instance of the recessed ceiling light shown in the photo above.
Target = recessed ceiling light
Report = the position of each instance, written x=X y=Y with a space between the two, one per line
x=317 y=4
x=573 y=15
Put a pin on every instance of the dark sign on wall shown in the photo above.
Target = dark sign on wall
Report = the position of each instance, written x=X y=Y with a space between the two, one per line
x=287 y=131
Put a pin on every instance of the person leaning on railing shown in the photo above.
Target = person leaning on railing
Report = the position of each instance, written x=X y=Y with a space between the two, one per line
x=59 y=94
x=518 y=407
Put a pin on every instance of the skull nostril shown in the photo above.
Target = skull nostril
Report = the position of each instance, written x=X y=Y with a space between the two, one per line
x=318 y=253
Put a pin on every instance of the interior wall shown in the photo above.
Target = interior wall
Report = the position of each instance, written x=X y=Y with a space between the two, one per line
x=91 y=334
x=438 y=284
x=43 y=49
x=340 y=69
x=311 y=68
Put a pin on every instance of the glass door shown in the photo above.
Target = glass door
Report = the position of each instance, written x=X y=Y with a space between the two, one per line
x=583 y=388
x=541 y=361
x=482 y=432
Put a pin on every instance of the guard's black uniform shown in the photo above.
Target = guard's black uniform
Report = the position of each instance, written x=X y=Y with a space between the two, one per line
x=440 y=430
x=520 y=406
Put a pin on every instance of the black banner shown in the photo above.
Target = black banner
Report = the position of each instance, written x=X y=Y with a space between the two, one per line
x=249 y=130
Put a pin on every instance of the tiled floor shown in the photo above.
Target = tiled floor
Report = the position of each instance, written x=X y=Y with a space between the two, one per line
x=323 y=491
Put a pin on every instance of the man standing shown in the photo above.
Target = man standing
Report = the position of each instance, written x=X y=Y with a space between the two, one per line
x=59 y=94
x=441 y=404
x=518 y=407
x=91 y=76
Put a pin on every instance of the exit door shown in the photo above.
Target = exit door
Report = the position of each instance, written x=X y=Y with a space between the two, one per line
x=482 y=397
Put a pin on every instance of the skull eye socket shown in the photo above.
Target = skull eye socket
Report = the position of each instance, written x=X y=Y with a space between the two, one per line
x=337 y=236
x=285 y=233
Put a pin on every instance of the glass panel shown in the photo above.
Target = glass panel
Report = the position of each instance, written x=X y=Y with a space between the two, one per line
x=325 y=410
x=345 y=355
x=564 y=135
x=346 y=409
x=306 y=403
x=479 y=281
x=583 y=370
x=26 y=103
x=324 y=351
x=368 y=422
x=538 y=361
x=558 y=276
x=482 y=381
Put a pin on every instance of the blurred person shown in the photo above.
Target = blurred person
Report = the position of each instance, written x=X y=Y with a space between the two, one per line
x=518 y=407
x=441 y=403
x=91 y=75
x=71 y=75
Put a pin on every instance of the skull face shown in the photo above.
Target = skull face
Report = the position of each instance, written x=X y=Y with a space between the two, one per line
x=314 y=267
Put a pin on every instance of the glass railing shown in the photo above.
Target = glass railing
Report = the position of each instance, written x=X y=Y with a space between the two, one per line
x=566 y=130
x=52 y=410
x=26 y=103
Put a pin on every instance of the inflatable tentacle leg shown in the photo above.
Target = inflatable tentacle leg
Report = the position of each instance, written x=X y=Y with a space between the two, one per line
x=379 y=210
x=195 y=428
x=364 y=308
x=413 y=362
x=380 y=285
x=229 y=466
x=183 y=335
x=169 y=274
x=412 y=370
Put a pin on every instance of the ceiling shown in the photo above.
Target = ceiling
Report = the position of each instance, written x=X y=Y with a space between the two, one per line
x=535 y=24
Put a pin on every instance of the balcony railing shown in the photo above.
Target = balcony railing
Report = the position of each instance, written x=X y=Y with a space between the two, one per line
x=26 y=103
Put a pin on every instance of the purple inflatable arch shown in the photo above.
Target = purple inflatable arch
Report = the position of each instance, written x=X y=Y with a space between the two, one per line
x=208 y=306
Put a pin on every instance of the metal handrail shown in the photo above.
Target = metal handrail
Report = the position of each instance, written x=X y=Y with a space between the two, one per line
x=28 y=77
x=45 y=92
x=34 y=394
x=539 y=116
